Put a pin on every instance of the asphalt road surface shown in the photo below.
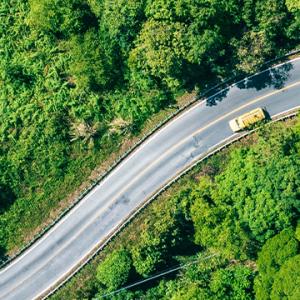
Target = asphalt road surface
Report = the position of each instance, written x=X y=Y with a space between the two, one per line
x=167 y=153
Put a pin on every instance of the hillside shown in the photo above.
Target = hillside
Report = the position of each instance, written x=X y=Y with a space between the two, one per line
x=232 y=225
x=77 y=77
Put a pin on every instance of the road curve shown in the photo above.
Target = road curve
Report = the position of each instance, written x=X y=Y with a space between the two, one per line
x=152 y=165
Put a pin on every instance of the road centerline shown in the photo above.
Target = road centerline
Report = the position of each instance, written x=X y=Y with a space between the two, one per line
x=157 y=161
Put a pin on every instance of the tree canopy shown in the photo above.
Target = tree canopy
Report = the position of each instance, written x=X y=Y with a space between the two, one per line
x=234 y=232
x=77 y=77
x=273 y=255
x=115 y=269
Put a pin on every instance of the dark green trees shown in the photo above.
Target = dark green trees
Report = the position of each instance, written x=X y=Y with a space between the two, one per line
x=71 y=70
x=157 y=240
x=255 y=197
x=244 y=219
x=89 y=66
x=180 y=40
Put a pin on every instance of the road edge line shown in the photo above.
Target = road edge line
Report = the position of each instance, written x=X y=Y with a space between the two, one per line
x=217 y=148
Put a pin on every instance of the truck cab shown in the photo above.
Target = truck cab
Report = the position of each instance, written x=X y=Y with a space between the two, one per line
x=247 y=119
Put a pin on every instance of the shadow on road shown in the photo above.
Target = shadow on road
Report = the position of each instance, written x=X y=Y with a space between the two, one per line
x=218 y=97
x=275 y=78
x=270 y=78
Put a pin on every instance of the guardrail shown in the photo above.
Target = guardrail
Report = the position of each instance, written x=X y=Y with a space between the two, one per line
x=217 y=148
x=236 y=79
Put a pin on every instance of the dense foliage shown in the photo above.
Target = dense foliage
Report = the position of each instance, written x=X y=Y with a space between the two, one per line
x=114 y=271
x=274 y=263
x=247 y=214
x=76 y=75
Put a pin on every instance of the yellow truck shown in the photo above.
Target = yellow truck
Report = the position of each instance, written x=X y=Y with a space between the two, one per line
x=247 y=119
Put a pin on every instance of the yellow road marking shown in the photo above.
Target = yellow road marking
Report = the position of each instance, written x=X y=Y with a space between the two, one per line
x=158 y=160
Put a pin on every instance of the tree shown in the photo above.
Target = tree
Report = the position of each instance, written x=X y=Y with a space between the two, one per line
x=60 y=17
x=293 y=31
x=154 y=245
x=121 y=22
x=271 y=17
x=158 y=239
x=232 y=283
x=273 y=255
x=114 y=271
x=7 y=197
x=262 y=184
x=148 y=254
x=89 y=67
x=136 y=105
x=44 y=15
x=192 y=291
x=287 y=280
x=216 y=225
x=159 y=50
x=181 y=40
x=252 y=51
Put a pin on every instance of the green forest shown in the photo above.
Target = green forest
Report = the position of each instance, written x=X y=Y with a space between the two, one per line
x=242 y=209
x=77 y=76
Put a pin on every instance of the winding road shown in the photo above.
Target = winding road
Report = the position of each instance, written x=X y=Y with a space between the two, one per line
x=151 y=166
